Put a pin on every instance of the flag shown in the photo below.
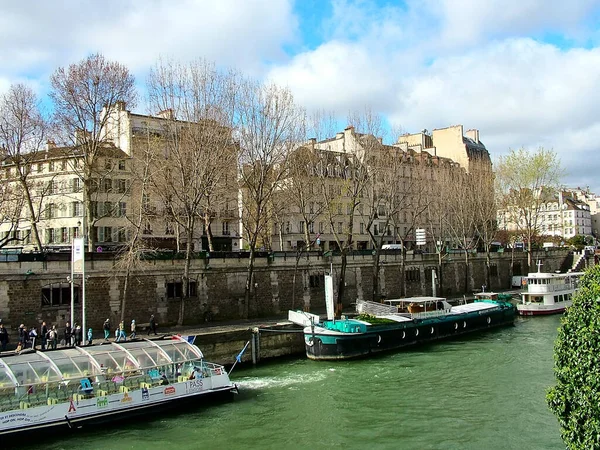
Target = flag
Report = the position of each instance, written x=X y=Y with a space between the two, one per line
x=190 y=338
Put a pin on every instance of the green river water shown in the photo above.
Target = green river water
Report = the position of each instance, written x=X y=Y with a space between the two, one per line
x=480 y=392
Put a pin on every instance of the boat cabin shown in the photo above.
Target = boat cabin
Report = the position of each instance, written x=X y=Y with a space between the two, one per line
x=56 y=376
x=420 y=305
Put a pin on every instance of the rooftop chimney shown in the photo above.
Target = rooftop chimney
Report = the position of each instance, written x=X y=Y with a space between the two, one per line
x=166 y=114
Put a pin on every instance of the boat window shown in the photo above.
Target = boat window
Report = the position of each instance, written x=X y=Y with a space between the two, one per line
x=32 y=369
x=5 y=380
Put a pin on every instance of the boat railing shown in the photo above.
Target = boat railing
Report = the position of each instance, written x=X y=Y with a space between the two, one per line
x=83 y=387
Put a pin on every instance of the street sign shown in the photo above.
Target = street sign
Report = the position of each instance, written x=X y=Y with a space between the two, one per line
x=420 y=236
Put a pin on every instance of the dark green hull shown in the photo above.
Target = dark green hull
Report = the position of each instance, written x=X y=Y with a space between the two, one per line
x=328 y=344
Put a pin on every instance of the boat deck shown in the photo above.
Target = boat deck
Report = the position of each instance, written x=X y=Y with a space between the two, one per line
x=473 y=307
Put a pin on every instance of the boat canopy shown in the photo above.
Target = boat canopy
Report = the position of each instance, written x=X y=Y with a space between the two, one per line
x=415 y=300
x=78 y=362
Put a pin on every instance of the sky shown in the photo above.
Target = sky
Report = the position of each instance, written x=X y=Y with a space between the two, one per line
x=526 y=73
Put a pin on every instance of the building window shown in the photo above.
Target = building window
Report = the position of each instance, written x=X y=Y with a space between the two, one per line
x=362 y=228
x=121 y=164
x=59 y=294
x=122 y=186
x=107 y=185
x=50 y=211
x=75 y=185
x=64 y=231
x=50 y=236
x=225 y=228
x=108 y=209
x=301 y=227
x=39 y=167
x=175 y=289
x=340 y=227
x=321 y=227
x=316 y=281
x=311 y=227
x=107 y=164
x=122 y=209
x=51 y=166
x=413 y=275
x=63 y=165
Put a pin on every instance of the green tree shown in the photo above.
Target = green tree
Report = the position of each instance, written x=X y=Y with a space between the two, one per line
x=525 y=180
x=575 y=399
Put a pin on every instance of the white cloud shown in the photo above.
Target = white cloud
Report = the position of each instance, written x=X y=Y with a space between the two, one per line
x=238 y=33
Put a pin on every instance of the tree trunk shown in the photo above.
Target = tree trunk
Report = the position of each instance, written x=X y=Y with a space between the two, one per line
x=249 y=282
x=125 y=289
x=33 y=221
x=186 y=273
x=208 y=232
x=467 y=284
x=376 y=288
x=341 y=285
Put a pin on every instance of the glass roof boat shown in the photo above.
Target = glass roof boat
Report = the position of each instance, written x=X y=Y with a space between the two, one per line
x=70 y=386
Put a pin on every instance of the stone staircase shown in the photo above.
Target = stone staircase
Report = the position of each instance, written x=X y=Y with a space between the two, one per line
x=579 y=262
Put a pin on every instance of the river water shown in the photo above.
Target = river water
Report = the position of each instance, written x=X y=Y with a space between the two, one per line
x=480 y=392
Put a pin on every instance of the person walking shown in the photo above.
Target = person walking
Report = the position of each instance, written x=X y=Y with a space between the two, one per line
x=44 y=335
x=3 y=338
x=132 y=335
x=78 y=335
x=152 y=327
x=68 y=334
x=90 y=335
x=106 y=328
x=33 y=336
x=52 y=337
x=121 y=334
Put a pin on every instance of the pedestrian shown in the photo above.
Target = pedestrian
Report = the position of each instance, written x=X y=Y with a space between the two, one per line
x=132 y=335
x=32 y=336
x=44 y=335
x=122 y=334
x=106 y=328
x=152 y=327
x=68 y=334
x=78 y=335
x=53 y=337
x=4 y=339
x=90 y=335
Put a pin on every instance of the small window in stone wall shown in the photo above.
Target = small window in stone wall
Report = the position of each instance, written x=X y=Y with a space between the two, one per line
x=493 y=270
x=175 y=289
x=317 y=280
x=413 y=274
x=59 y=294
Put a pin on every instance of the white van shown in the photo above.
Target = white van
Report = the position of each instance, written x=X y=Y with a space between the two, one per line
x=391 y=247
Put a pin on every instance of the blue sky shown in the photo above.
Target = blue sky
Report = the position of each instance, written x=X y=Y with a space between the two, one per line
x=523 y=72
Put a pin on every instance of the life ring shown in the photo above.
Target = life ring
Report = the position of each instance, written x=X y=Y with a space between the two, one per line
x=489 y=320
x=417 y=332
x=456 y=325
x=464 y=324
x=432 y=330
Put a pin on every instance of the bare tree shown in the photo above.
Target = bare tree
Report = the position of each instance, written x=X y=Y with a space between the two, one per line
x=525 y=179
x=22 y=134
x=269 y=126
x=197 y=104
x=83 y=96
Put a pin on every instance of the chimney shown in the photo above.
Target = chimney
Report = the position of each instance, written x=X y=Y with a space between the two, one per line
x=120 y=105
x=312 y=142
x=473 y=134
x=166 y=114
x=50 y=144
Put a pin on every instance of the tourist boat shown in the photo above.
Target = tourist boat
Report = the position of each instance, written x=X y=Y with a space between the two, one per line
x=395 y=324
x=547 y=293
x=93 y=384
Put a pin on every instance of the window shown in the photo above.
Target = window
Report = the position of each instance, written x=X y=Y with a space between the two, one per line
x=39 y=167
x=122 y=209
x=57 y=294
x=108 y=234
x=75 y=185
x=64 y=231
x=175 y=289
x=225 y=227
x=311 y=227
x=362 y=228
x=75 y=232
x=340 y=227
x=108 y=209
x=107 y=164
x=375 y=230
x=63 y=165
x=50 y=236
x=51 y=166
x=122 y=186
x=107 y=185
x=50 y=211
x=301 y=227
x=321 y=227
x=413 y=274
x=121 y=164
x=315 y=281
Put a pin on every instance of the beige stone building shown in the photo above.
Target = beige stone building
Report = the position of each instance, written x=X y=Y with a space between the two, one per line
x=445 y=146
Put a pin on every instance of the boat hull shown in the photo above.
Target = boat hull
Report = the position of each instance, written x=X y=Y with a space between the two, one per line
x=325 y=345
x=542 y=310
x=115 y=407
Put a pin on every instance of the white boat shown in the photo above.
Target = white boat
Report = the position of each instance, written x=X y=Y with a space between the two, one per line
x=94 y=384
x=547 y=293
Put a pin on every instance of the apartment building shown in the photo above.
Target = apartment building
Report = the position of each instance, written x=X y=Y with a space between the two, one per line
x=56 y=189
x=422 y=154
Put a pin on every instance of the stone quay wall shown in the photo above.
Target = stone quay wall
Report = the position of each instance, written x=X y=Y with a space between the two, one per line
x=220 y=283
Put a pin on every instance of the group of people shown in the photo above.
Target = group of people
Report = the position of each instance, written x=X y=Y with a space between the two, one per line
x=48 y=336
x=120 y=333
